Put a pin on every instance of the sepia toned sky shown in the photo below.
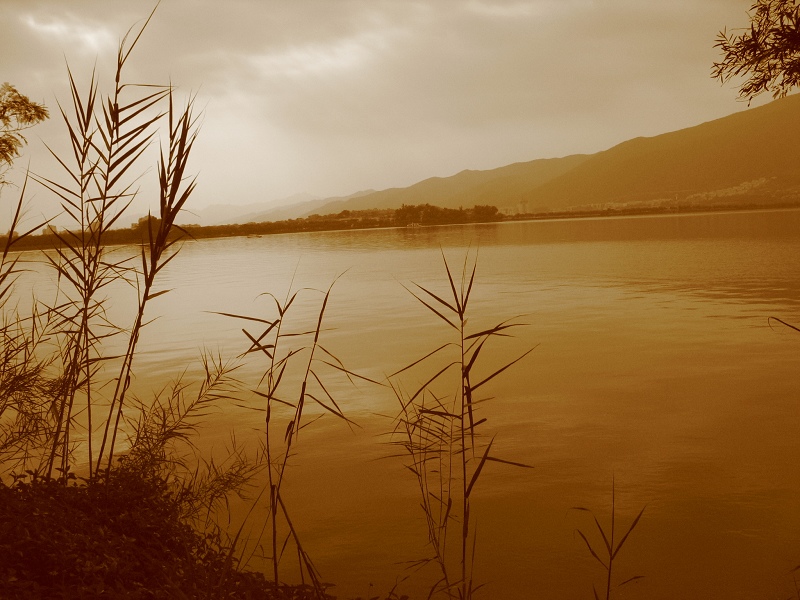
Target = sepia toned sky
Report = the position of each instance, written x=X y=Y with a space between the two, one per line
x=330 y=97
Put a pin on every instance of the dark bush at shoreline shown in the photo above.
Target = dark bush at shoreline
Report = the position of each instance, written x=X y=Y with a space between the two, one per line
x=124 y=537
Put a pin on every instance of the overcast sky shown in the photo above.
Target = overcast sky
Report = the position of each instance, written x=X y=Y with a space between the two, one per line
x=330 y=97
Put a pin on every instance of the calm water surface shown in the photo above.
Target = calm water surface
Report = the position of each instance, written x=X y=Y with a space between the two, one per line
x=655 y=364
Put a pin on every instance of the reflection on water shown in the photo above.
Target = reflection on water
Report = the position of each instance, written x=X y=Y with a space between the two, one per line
x=655 y=364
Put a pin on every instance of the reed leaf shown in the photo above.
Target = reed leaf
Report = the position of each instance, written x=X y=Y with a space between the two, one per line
x=630 y=530
x=477 y=472
x=500 y=370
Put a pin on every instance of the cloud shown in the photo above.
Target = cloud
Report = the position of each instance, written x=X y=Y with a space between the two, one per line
x=503 y=10
x=322 y=59
x=515 y=9
x=68 y=31
x=330 y=97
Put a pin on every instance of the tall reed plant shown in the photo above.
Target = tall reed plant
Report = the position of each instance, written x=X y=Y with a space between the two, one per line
x=64 y=381
x=295 y=374
x=65 y=398
x=607 y=552
x=109 y=136
x=25 y=389
x=440 y=427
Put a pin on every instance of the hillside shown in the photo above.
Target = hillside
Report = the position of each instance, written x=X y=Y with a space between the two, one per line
x=293 y=211
x=750 y=157
x=466 y=188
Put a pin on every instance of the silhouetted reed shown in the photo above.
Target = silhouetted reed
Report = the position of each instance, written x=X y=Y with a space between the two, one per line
x=610 y=548
x=59 y=372
x=25 y=389
x=438 y=429
x=295 y=362
x=109 y=135
x=782 y=322
x=55 y=355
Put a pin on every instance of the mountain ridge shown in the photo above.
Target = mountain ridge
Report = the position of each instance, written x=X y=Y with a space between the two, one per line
x=748 y=156
x=756 y=145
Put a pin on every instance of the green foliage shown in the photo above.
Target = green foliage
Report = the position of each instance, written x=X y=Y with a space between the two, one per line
x=768 y=52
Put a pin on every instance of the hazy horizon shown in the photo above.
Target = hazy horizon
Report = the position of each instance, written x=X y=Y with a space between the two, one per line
x=327 y=100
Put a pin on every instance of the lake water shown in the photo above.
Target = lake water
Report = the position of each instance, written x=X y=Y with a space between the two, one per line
x=655 y=365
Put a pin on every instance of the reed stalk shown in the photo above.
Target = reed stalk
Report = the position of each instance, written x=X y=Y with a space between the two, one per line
x=109 y=136
x=439 y=430
x=24 y=387
x=174 y=192
x=294 y=375
x=107 y=142
x=610 y=548
x=55 y=363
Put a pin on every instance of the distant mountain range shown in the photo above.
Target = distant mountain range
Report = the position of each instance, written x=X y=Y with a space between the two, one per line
x=750 y=157
x=279 y=210
x=224 y=214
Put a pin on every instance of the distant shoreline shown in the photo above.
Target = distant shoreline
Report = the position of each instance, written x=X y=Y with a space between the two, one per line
x=383 y=219
x=650 y=212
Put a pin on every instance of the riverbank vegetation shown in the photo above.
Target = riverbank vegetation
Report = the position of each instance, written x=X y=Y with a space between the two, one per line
x=405 y=216
x=440 y=429
x=102 y=495
x=128 y=535
x=425 y=215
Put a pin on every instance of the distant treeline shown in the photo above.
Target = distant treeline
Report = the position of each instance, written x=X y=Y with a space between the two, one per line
x=423 y=214
x=405 y=216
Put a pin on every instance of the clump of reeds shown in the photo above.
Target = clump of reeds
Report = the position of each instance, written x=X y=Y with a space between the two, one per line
x=64 y=404
x=109 y=135
x=25 y=390
x=440 y=429
x=106 y=145
x=106 y=141
x=611 y=544
x=293 y=376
